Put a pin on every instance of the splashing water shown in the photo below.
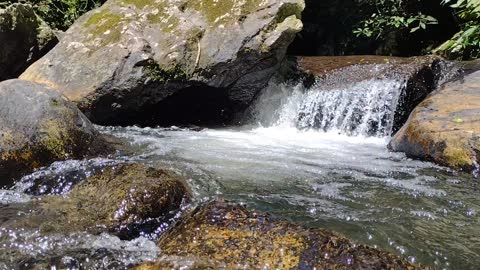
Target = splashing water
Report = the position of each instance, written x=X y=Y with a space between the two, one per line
x=365 y=108
x=318 y=158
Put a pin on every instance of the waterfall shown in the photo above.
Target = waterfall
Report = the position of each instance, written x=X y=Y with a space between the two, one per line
x=361 y=108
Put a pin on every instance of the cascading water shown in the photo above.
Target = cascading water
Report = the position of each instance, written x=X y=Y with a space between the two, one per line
x=318 y=158
x=365 y=108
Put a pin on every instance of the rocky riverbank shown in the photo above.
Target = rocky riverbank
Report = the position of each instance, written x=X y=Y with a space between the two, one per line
x=150 y=63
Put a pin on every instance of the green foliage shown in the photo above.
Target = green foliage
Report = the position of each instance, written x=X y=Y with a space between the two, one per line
x=59 y=14
x=390 y=16
x=466 y=43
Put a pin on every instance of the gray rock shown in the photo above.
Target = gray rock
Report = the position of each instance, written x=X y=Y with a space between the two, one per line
x=39 y=126
x=24 y=38
x=170 y=60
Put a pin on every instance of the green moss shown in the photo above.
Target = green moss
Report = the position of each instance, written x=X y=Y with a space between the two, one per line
x=139 y=3
x=287 y=10
x=105 y=24
x=120 y=195
x=166 y=24
x=233 y=235
x=213 y=10
x=161 y=75
x=56 y=139
x=97 y=17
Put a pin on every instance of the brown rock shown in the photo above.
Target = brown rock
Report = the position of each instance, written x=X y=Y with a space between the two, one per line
x=117 y=198
x=445 y=127
x=240 y=238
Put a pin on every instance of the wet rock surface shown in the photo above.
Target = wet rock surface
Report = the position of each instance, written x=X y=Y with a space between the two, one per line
x=24 y=39
x=141 y=62
x=444 y=127
x=420 y=75
x=240 y=238
x=123 y=199
x=39 y=126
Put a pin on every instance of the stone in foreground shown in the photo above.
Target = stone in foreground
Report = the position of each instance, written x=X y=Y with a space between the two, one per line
x=154 y=62
x=239 y=238
x=24 y=38
x=119 y=199
x=39 y=126
x=445 y=127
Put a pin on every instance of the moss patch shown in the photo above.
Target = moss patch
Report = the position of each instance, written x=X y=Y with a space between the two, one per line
x=167 y=24
x=105 y=25
x=140 y=4
x=109 y=200
x=233 y=235
x=287 y=10
x=158 y=74
x=225 y=11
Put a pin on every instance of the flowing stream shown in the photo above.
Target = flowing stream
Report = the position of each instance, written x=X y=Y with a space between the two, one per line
x=314 y=156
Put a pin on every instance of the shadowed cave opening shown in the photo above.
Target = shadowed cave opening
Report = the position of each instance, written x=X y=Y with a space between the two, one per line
x=199 y=105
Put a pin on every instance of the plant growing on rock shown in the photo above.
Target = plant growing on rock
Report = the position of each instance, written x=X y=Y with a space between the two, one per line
x=389 y=16
x=59 y=14
x=466 y=43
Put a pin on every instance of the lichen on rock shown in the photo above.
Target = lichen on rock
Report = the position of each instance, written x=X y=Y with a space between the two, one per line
x=121 y=58
x=229 y=234
x=40 y=126
x=444 y=127
x=120 y=197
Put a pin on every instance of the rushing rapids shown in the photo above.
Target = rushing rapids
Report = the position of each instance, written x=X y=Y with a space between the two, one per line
x=315 y=156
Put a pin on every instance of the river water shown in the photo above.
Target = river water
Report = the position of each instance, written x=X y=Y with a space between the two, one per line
x=313 y=156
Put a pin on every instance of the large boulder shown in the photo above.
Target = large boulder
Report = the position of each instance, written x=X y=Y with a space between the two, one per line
x=445 y=127
x=39 y=126
x=120 y=198
x=242 y=239
x=24 y=38
x=141 y=61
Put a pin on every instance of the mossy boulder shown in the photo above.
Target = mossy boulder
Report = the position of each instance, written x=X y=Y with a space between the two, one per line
x=39 y=126
x=24 y=39
x=239 y=238
x=445 y=127
x=120 y=199
x=135 y=59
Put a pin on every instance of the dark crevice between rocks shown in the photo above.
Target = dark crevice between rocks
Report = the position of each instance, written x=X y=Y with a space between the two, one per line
x=198 y=105
x=420 y=85
x=417 y=89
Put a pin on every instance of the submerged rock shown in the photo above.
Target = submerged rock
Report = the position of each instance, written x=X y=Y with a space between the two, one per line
x=24 y=38
x=445 y=127
x=120 y=199
x=39 y=126
x=160 y=62
x=230 y=234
